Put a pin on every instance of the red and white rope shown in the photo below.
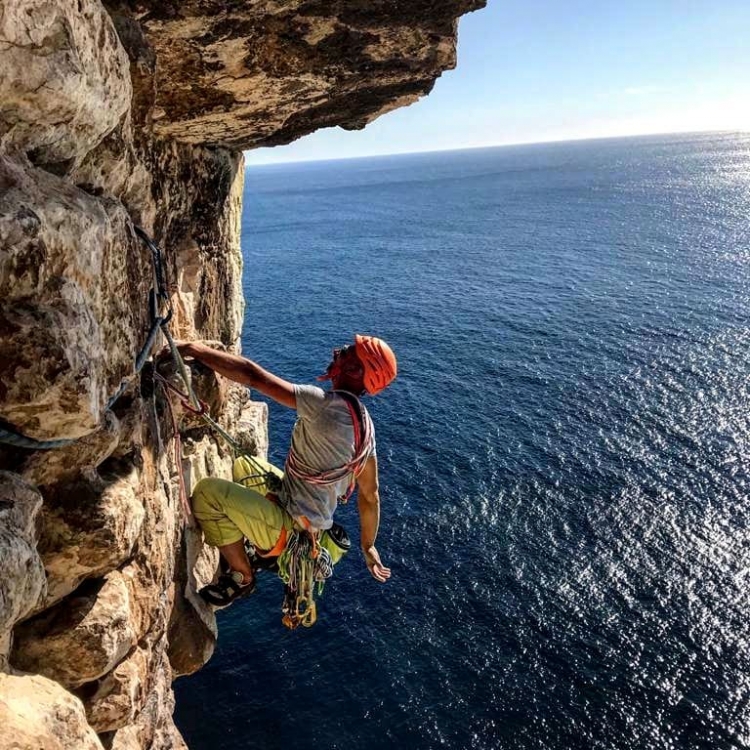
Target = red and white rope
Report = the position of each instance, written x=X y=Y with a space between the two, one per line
x=297 y=468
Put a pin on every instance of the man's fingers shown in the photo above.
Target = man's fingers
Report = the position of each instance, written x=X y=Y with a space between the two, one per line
x=381 y=573
x=378 y=571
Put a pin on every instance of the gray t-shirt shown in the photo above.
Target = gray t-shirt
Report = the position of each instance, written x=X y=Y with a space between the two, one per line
x=323 y=438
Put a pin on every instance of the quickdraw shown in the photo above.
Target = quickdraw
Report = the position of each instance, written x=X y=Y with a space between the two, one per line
x=194 y=405
x=300 y=572
x=160 y=309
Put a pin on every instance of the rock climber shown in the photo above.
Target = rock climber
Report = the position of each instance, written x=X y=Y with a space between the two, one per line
x=332 y=451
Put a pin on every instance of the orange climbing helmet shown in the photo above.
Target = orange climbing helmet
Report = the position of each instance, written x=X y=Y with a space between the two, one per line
x=378 y=361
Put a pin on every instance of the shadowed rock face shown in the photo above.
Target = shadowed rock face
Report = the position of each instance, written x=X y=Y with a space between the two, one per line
x=113 y=115
x=243 y=75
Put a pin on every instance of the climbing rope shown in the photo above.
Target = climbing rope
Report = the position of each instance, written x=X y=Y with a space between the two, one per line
x=178 y=461
x=192 y=403
x=11 y=436
x=363 y=443
x=160 y=309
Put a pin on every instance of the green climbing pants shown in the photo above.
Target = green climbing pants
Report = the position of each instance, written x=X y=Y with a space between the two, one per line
x=229 y=511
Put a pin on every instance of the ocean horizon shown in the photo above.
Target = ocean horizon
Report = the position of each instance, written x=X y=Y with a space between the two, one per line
x=563 y=457
x=515 y=144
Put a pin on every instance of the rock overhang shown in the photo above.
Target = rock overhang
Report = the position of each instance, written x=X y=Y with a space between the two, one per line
x=247 y=74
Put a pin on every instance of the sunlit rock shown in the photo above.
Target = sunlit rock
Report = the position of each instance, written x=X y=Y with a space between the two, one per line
x=69 y=312
x=80 y=639
x=90 y=528
x=64 y=79
x=247 y=75
x=38 y=713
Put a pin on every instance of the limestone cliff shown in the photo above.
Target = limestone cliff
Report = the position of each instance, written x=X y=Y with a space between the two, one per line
x=112 y=115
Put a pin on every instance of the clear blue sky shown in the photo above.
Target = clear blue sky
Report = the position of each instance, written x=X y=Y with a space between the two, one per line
x=541 y=70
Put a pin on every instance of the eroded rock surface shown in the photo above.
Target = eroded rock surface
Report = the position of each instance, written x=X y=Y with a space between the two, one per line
x=38 y=713
x=81 y=639
x=90 y=528
x=22 y=580
x=249 y=74
x=64 y=79
x=115 y=115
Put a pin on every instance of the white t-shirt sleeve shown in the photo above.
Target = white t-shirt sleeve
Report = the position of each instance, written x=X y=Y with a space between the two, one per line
x=374 y=449
x=310 y=400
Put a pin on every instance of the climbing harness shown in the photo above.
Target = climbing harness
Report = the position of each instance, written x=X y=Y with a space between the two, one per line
x=305 y=561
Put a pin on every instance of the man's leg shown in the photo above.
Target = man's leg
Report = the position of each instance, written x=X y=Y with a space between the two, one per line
x=236 y=558
x=227 y=512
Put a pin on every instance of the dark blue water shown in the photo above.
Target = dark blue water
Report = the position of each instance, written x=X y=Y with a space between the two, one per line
x=563 y=458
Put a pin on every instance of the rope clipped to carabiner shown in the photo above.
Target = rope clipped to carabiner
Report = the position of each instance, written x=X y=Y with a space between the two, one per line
x=193 y=404
x=160 y=310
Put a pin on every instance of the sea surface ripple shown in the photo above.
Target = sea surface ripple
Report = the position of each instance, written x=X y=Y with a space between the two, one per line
x=563 y=458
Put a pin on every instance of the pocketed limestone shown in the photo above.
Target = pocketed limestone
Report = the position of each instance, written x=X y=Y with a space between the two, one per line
x=80 y=639
x=153 y=727
x=115 y=700
x=67 y=340
x=192 y=630
x=64 y=78
x=90 y=528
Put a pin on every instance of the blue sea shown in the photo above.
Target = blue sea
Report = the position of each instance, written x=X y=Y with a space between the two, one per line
x=563 y=457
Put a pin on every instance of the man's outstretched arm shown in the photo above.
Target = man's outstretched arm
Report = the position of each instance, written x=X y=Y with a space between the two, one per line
x=243 y=371
x=368 y=504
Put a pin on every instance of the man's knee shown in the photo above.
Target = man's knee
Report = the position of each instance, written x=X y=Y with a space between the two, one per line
x=207 y=496
x=208 y=508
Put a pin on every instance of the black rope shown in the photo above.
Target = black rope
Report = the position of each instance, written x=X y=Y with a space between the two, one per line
x=160 y=293
x=11 y=436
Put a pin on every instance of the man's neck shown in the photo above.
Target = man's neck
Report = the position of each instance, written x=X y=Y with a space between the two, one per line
x=354 y=390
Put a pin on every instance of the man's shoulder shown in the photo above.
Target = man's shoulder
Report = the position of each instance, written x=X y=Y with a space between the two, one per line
x=309 y=391
x=310 y=400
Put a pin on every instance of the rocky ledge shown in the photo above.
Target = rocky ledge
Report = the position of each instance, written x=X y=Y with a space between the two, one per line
x=115 y=115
